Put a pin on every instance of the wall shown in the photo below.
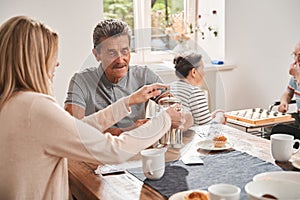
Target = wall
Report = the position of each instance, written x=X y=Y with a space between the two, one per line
x=73 y=20
x=214 y=46
x=259 y=38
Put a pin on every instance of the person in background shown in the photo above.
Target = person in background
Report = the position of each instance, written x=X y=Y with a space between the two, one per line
x=95 y=88
x=293 y=90
x=37 y=135
x=189 y=70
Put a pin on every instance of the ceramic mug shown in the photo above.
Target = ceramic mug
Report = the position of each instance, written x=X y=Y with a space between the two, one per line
x=282 y=146
x=153 y=161
x=223 y=191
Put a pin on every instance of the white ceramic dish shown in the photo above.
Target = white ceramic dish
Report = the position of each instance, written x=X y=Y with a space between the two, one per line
x=287 y=190
x=180 y=195
x=209 y=145
x=296 y=164
x=278 y=175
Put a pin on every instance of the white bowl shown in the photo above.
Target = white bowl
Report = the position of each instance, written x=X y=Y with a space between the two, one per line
x=278 y=175
x=286 y=190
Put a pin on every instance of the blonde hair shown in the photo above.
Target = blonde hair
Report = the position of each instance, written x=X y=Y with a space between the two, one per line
x=27 y=51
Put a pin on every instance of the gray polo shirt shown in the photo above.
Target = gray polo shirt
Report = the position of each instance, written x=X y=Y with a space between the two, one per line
x=91 y=90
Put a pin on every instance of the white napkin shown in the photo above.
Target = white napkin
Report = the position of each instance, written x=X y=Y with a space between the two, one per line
x=118 y=168
x=192 y=160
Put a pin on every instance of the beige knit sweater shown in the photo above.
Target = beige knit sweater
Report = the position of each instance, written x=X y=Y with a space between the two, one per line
x=37 y=135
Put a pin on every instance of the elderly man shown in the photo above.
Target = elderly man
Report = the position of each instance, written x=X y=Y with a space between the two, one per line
x=97 y=87
x=293 y=90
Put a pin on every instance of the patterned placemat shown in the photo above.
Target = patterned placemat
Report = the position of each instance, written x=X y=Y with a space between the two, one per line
x=232 y=167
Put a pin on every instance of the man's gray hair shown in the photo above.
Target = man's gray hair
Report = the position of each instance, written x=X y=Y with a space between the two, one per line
x=110 y=28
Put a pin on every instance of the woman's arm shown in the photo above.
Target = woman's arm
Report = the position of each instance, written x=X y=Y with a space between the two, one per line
x=107 y=117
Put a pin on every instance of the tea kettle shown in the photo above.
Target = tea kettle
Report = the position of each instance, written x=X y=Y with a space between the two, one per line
x=173 y=137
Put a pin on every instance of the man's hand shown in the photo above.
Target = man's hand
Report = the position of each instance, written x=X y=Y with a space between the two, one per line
x=118 y=131
x=283 y=107
x=140 y=122
x=114 y=131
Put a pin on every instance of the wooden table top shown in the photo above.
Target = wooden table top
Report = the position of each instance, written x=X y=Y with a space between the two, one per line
x=85 y=184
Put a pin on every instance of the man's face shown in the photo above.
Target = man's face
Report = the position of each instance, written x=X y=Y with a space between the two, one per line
x=295 y=66
x=115 y=56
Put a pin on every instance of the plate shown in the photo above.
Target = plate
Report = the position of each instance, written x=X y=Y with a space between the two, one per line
x=296 y=164
x=279 y=175
x=209 y=145
x=180 y=195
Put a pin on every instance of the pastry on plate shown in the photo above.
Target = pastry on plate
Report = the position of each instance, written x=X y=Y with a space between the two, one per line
x=196 y=195
x=220 y=141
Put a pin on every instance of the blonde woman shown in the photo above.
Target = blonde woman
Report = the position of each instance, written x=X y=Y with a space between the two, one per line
x=37 y=135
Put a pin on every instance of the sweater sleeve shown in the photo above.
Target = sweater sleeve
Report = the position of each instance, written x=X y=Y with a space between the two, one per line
x=121 y=148
x=65 y=136
x=108 y=116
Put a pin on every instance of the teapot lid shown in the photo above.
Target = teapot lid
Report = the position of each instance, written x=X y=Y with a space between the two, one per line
x=168 y=100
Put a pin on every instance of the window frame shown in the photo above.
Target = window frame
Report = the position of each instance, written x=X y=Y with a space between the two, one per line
x=142 y=31
x=142 y=21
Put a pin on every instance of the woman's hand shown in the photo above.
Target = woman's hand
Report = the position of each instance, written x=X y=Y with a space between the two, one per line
x=145 y=93
x=219 y=116
x=177 y=116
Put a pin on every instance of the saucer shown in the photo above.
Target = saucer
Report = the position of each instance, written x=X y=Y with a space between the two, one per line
x=296 y=164
x=209 y=145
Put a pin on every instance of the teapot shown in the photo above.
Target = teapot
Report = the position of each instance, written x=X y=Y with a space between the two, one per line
x=173 y=137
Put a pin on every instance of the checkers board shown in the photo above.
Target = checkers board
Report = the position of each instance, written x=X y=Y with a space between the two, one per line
x=258 y=116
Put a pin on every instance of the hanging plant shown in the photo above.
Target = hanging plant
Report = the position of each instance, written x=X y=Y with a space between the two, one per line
x=204 y=28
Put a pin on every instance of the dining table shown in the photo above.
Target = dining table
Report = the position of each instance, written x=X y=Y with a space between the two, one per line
x=86 y=184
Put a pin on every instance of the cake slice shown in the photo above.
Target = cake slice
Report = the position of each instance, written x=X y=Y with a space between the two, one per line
x=220 y=141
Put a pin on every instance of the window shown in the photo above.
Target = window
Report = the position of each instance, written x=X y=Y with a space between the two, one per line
x=153 y=36
x=158 y=26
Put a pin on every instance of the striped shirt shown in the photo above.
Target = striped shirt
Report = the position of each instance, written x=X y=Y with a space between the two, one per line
x=193 y=99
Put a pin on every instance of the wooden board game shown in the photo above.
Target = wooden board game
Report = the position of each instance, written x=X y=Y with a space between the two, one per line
x=258 y=116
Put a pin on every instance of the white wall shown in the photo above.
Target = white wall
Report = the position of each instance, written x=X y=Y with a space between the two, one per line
x=214 y=46
x=73 y=20
x=259 y=37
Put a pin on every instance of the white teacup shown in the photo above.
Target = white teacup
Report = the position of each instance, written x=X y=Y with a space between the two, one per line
x=282 y=146
x=153 y=163
x=224 y=192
